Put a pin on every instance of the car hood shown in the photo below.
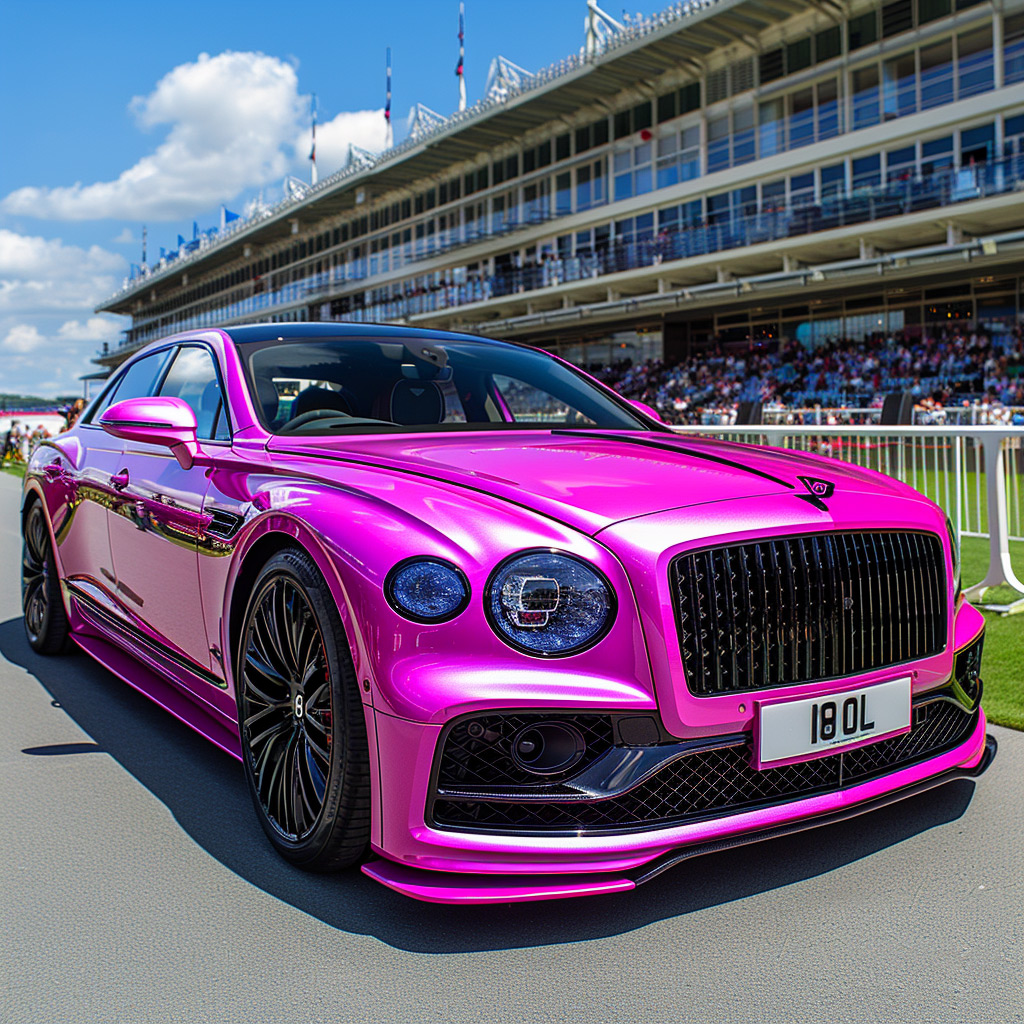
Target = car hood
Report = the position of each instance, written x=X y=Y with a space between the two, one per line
x=590 y=480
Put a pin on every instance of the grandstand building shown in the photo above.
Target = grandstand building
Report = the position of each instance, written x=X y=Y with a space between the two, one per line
x=733 y=170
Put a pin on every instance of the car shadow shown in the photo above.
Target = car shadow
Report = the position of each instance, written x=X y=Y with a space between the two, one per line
x=205 y=792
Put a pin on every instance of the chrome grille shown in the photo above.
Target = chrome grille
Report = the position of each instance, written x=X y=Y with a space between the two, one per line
x=796 y=609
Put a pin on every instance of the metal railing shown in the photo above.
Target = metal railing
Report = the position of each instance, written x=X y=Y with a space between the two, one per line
x=974 y=414
x=974 y=473
x=864 y=203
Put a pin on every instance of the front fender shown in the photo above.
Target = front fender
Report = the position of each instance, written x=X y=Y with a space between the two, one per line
x=431 y=672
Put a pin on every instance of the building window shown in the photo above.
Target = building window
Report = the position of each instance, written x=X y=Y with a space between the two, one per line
x=632 y=169
x=974 y=63
x=828 y=44
x=899 y=86
x=936 y=74
x=865 y=97
x=678 y=157
x=863 y=30
x=590 y=189
x=866 y=172
x=563 y=194
x=931 y=10
x=801 y=118
x=1013 y=50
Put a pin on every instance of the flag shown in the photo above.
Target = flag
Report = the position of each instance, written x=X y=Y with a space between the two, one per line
x=462 y=42
x=387 y=101
x=312 y=152
x=181 y=241
x=195 y=230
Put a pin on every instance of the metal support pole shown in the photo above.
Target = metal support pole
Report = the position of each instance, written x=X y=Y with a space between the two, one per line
x=1000 y=571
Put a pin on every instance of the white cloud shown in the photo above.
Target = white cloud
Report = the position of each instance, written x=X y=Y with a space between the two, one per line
x=41 y=275
x=23 y=338
x=96 y=329
x=366 y=129
x=48 y=335
x=124 y=238
x=231 y=117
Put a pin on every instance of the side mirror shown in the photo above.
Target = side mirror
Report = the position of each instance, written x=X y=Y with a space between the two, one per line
x=649 y=411
x=162 y=420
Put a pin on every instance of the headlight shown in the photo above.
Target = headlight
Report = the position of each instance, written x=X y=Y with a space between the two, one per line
x=954 y=545
x=549 y=604
x=426 y=590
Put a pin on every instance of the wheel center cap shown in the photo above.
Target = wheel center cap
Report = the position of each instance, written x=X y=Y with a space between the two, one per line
x=299 y=705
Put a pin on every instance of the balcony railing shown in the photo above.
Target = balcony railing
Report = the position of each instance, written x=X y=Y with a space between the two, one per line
x=974 y=473
x=863 y=204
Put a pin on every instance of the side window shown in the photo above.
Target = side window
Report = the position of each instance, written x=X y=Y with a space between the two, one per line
x=138 y=381
x=193 y=378
x=530 y=404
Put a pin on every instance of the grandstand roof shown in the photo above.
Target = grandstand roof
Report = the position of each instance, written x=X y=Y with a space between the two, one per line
x=681 y=35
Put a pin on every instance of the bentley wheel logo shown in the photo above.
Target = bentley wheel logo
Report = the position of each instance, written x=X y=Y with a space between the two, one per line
x=817 y=490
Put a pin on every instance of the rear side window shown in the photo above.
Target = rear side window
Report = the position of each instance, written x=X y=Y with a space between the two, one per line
x=193 y=378
x=138 y=381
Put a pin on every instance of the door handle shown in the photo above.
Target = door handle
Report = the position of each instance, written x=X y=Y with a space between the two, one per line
x=120 y=480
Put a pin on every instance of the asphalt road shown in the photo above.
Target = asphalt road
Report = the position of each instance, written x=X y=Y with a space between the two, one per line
x=136 y=885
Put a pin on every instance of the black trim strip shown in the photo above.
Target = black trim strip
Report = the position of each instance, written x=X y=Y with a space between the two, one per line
x=677 y=449
x=127 y=630
x=669 y=860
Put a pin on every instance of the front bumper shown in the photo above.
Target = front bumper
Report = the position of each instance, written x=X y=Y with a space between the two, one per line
x=518 y=862
x=457 y=888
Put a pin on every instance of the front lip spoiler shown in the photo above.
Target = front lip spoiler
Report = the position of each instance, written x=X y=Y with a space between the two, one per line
x=456 y=888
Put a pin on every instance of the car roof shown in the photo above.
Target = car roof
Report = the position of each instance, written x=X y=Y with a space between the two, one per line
x=246 y=334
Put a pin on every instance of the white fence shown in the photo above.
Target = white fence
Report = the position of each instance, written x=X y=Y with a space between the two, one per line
x=974 y=473
x=976 y=414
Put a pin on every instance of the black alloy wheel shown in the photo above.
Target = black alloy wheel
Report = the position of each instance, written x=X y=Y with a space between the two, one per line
x=301 y=718
x=46 y=624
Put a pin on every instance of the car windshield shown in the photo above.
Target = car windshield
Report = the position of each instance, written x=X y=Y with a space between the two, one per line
x=357 y=385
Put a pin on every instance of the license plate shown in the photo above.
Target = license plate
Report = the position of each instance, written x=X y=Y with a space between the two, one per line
x=798 y=730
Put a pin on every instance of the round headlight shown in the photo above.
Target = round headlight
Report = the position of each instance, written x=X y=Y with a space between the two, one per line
x=549 y=604
x=425 y=590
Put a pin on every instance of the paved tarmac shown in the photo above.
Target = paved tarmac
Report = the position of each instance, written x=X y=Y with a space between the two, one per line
x=136 y=886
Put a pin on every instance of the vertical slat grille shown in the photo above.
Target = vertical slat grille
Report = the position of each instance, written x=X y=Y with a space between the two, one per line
x=791 y=610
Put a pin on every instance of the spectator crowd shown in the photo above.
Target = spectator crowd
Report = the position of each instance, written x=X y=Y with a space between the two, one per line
x=955 y=369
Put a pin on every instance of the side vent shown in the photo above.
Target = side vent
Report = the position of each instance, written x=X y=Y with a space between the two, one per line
x=224 y=524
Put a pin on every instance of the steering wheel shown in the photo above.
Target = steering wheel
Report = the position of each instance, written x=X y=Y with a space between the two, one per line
x=309 y=417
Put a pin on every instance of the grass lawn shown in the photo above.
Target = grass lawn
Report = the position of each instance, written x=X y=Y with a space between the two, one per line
x=14 y=468
x=1003 y=660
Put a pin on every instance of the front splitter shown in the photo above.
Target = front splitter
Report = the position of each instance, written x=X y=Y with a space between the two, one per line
x=456 y=888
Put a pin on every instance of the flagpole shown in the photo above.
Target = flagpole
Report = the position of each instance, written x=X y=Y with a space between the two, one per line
x=460 y=68
x=389 y=137
x=312 y=152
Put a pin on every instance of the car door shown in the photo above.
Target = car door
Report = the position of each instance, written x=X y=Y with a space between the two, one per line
x=158 y=519
x=90 y=489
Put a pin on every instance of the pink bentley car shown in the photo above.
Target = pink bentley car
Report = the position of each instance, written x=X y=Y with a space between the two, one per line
x=472 y=620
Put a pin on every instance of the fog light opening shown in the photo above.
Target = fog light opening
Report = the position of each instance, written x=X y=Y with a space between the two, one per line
x=548 y=748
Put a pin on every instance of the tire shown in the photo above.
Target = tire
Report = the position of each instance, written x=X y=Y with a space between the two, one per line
x=300 y=718
x=42 y=606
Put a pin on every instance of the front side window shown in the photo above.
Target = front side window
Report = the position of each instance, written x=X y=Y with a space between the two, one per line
x=138 y=381
x=193 y=378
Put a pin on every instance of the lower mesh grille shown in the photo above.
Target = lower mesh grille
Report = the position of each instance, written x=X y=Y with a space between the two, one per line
x=485 y=759
x=715 y=782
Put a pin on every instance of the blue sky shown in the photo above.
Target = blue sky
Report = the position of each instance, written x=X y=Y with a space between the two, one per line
x=117 y=115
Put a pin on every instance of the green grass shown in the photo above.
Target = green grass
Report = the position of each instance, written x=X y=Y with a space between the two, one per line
x=1003 y=660
x=14 y=468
